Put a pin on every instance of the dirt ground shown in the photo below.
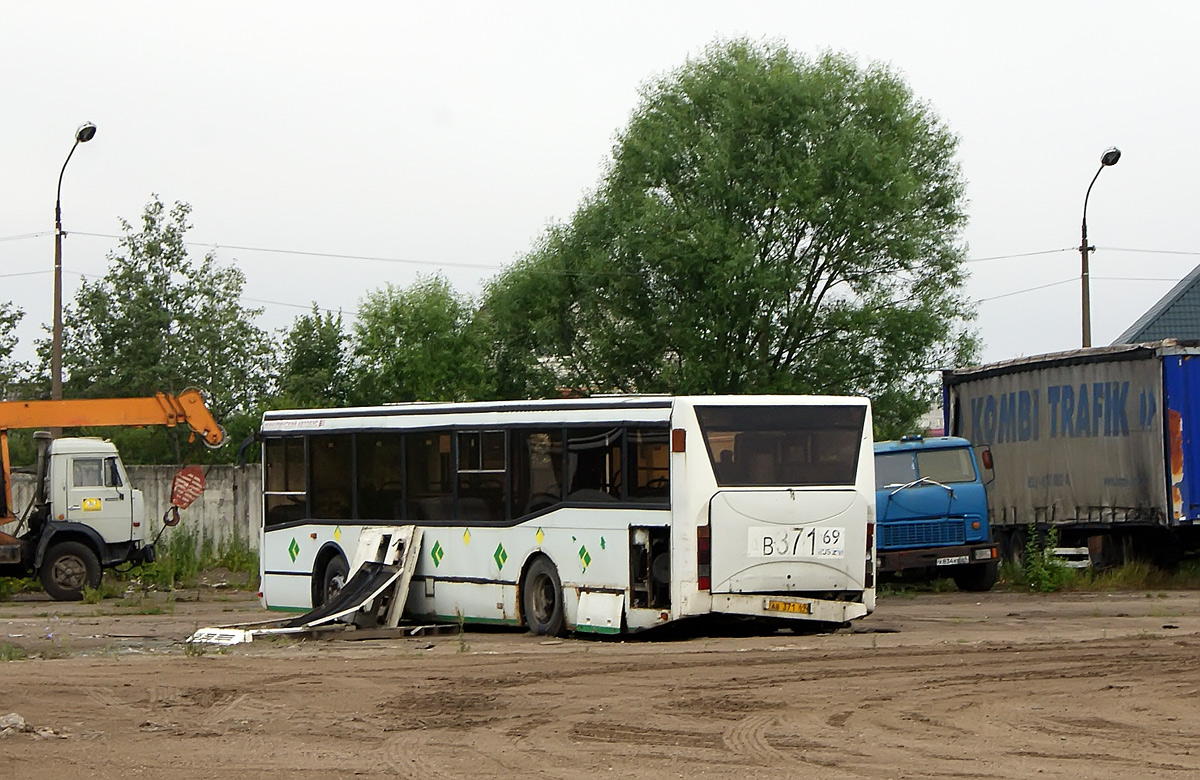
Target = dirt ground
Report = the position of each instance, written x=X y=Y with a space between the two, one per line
x=998 y=685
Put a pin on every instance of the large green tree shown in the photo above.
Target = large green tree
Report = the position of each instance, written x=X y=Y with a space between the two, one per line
x=768 y=223
x=316 y=368
x=160 y=321
x=419 y=343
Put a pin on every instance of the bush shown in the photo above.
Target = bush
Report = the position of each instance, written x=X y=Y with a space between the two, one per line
x=1041 y=570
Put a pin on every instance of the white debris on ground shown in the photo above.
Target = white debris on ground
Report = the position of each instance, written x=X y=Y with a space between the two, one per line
x=12 y=724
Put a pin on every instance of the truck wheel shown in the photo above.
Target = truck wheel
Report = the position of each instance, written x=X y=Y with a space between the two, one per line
x=542 y=599
x=978 y=577
x=67 y=569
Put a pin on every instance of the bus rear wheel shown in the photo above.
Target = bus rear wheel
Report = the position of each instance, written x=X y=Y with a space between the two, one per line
x=542 y=599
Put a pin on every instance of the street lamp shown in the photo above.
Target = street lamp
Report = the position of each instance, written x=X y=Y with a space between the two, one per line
x=1110 y=157
x=83 y=134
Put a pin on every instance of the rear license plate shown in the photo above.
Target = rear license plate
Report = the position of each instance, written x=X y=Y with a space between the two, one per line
x=794 y=607
x=793 y=543
x=953 y=560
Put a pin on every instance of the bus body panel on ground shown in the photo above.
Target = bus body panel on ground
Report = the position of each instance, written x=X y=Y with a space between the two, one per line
x=614 y=512
x=1093 y=442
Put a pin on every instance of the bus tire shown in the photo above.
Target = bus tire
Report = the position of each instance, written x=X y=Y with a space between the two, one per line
x=334 y=579
x=67 y=569
x=978 y=577
x=542 y=599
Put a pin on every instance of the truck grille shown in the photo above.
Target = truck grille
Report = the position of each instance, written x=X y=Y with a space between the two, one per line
x=921 y=534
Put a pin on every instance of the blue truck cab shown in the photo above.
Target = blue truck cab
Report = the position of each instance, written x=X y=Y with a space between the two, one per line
x=932 y=513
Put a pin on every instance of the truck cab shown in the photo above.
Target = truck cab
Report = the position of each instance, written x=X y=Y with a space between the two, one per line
x=932 y=513
x=86 y=517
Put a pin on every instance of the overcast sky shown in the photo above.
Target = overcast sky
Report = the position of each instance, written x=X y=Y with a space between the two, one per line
x=310 y=137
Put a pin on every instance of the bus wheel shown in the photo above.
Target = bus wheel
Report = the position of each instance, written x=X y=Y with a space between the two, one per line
x=334 y=579
x=67 y=569
x=542 y=599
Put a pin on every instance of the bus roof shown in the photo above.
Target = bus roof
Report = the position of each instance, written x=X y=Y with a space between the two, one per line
x=633 y=409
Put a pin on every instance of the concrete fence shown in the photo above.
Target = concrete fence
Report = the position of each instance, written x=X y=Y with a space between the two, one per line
x=230 y=506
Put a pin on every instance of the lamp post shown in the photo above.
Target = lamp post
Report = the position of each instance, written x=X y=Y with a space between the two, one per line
x=1109 y=157
x=83 y=134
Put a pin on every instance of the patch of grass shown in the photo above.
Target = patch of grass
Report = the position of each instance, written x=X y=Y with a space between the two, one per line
x=10 y=586
x=184 y=555
x=106 y=590
x=12 y=652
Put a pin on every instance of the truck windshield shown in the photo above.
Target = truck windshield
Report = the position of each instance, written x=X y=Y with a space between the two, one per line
x=948 y=466
x=759 y=446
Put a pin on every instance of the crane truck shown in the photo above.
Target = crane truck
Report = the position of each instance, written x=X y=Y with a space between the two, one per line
x=84 y=515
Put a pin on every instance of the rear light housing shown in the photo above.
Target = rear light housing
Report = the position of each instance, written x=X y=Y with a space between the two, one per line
x=703 y=558
x=869 y=576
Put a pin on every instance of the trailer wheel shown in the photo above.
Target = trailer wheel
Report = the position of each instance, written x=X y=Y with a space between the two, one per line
x=67 y=569
x=542 y=599
x=977 y=577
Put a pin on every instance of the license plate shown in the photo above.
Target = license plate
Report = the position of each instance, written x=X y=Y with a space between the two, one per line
x=794 y=607
x=953 y=560
x=807 y=542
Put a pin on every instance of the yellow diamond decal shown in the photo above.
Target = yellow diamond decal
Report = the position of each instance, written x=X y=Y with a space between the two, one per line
x=337 y=534
x=466 y=536
x=540 y=537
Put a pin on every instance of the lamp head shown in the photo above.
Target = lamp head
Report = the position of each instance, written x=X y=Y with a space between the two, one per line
x=1110 y=156
x=87 y=131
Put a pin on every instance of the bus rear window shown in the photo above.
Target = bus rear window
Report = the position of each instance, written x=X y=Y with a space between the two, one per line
x=763 y=446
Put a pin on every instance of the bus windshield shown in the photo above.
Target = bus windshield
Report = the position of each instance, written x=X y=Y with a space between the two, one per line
x=760 y=446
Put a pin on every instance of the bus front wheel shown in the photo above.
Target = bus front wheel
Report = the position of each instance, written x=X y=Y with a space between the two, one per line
x=333 y=580
x=542 y=599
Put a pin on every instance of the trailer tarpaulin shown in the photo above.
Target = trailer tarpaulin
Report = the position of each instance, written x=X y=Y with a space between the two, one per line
x=1078 y=443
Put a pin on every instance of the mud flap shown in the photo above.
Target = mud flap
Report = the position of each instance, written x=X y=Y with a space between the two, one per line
x=600 y=613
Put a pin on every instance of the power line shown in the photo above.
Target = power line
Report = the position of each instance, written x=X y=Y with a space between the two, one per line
x=325 y=255
x=1023 y=254
x=1028 y=289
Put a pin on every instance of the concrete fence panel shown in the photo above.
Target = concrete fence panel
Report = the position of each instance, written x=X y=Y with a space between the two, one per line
x=230 y=507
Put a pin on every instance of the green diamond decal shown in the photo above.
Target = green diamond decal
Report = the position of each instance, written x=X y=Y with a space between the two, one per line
x=500 y=556
x=601 y=542
x=437 y=553
x=294 y=549
x=585 y=557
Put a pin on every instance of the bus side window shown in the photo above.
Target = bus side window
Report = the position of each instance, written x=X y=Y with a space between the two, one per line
x=535 y=466
x=594 y=465
x=428 y=479
x=481 y=477
x=649 y=461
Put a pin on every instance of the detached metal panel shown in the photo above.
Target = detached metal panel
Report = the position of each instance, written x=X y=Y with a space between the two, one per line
x=1075 y=441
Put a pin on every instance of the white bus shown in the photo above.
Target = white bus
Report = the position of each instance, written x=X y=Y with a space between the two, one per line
x=602 y=515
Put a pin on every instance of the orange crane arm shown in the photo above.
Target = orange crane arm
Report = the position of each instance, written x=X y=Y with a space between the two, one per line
x=161 y=409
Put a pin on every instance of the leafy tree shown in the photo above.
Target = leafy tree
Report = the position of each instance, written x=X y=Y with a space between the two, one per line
x=418 y=344
x=315 y=362
x=768 y=223
x=158 y=321
x=13 y=373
